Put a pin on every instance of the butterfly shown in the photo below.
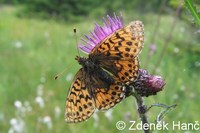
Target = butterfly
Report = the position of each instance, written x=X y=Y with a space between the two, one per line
x=111 y=65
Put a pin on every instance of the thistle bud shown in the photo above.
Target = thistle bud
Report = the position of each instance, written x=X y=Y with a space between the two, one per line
x=146 y=85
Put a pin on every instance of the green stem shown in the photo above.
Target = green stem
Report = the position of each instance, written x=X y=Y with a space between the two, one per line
x=141 y=111
x=192 y=9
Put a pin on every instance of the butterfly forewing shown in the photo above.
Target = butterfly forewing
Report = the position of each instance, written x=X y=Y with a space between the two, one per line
x=106 y=92
x=125 y=43
x=79 y=104
x=120 y=49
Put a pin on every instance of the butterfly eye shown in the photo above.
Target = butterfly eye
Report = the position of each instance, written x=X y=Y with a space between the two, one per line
x=87 y=63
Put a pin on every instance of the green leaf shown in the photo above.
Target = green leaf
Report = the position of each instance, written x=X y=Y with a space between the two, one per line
x=193 y=10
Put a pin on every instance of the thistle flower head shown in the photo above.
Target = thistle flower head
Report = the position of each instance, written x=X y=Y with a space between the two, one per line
x=146 y=85
x=110 y=25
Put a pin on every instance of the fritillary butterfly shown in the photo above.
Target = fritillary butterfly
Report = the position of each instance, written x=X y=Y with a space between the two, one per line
x=99 y=84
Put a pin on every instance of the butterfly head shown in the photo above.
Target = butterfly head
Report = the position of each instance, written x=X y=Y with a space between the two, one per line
x=87 y=63
x=81 y=60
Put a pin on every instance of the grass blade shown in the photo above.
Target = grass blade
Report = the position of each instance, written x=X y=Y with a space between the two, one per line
x=193 y=10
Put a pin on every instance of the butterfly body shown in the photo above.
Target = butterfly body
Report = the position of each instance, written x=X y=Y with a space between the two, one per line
x=93 y=69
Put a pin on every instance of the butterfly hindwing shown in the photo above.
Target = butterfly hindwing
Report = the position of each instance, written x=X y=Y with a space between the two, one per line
x=104 y=89
x=79 y=104
x=106 y=99
x=127 y=69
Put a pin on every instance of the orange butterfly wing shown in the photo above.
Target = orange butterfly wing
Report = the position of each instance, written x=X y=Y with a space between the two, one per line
x=106 y=99
x=86 y=94
x=120 y=49
x=127 y=70
x=79 y=104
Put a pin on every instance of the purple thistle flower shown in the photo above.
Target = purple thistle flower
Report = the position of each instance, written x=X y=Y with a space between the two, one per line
x=110 y=25
x=146 y=85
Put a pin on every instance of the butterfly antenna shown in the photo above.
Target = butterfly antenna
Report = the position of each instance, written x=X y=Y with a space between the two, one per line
x=61 y=73
x=76 y=41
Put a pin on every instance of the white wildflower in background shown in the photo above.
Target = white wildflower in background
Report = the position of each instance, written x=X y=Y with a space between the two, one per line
x=39 y=100
x=18 y=44
x=158 y=70
x=69 y=77
x=108 y=114
x=175 y=96
x=27 y=106
x=176 y=50
x=188 y=132
x=2 y=116
x=197 y=63
x=46 y=34
x=20 y=110
x=183 y=88
x=192 y=95
x=182 y=29
x=42 y=79
x=17 y=125
x=47 y=121
x=18 y=104
x=57 y=111
x=96 y=119
x=40 y=90
x=47 y=37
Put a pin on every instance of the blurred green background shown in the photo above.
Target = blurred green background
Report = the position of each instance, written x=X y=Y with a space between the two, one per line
x=37 y=42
